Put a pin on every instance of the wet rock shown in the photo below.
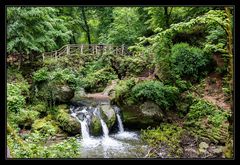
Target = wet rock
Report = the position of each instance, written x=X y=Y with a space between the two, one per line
x=95 y=126
x=109 y=115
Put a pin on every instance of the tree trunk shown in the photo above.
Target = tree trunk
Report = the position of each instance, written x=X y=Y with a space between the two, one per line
x=167 y=17
x=86 y=25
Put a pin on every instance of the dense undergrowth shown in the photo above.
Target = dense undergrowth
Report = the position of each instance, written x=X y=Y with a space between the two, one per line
x=171 y=68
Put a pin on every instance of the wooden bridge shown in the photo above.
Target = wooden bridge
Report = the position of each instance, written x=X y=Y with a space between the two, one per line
x=93 y=49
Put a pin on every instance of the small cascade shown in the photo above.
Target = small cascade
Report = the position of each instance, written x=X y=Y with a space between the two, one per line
x=120 y=144
x=120 y=124
x=103 y=124
x=84 y=129
x=83 y=117
x=104 y=128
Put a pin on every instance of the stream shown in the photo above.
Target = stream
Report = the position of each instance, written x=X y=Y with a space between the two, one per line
x=122 y=144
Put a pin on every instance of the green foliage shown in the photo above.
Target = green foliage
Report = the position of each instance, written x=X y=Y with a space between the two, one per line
x=35 y=29
x=207 y=120
x=187 y=61
x=15 y=100
x=97 y=81
x=216 y=40
x=26 y=117
x=58 y=75
x=163 y=95
x=66 y=149
x=45 y=127
x=123 y=90
x=125 y=28
x=131 y=65
x=40 y=107
x=166 y=136
x=41 y=75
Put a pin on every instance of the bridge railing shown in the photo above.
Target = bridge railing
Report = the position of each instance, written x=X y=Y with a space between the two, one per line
x=93 y=49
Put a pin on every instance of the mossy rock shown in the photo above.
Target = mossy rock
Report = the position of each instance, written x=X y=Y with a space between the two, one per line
x=64 y=93
x=55 y=92
x=151 y=109
x=95 y=126
x=108 y=115
x=66 y=122
x=133 y=118
x=26 y=118
x=78 y=95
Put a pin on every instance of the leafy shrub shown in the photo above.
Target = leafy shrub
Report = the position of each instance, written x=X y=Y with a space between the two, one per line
x=15 y=100
x=41 y=75
x=26 y=117
x=45 y=127
x=164 y=138
x=123 y=90
x=40 y=107
x=68 y=148
x=188 y=62
x=97 y=80
x=163 y=95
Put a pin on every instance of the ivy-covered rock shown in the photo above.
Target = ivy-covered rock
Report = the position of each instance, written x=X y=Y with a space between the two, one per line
x=66 y=122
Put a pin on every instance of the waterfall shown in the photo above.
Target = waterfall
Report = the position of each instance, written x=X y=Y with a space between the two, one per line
x=84 y=129
x=84 y=122
x=104 y=128
x=120 y=124
x=103 y=124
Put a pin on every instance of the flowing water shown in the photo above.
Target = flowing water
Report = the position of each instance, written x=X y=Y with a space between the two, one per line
x=123 y=144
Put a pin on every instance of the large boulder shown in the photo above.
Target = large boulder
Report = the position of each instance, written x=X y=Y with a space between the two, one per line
x=108 y=114
x=150 y=109
x=79 y=94
x=95 y=126
x=64 y=93
x=142 y=116
x=66 y=122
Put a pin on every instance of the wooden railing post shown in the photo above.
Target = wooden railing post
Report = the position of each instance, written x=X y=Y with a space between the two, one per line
x=82 y=49
x=122 y=49
x=43 y=56
x=68 y=50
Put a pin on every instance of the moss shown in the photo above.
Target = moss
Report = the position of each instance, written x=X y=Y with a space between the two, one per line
x=95 y=127
x=45 y=127
x=65 y=121
x=207 y=120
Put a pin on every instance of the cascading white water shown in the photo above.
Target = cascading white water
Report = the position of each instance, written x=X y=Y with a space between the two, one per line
x=84 y=123
x=121 y=144
x=103 y=124
x=104 y=128
x=120 y=124
x=84 y=129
